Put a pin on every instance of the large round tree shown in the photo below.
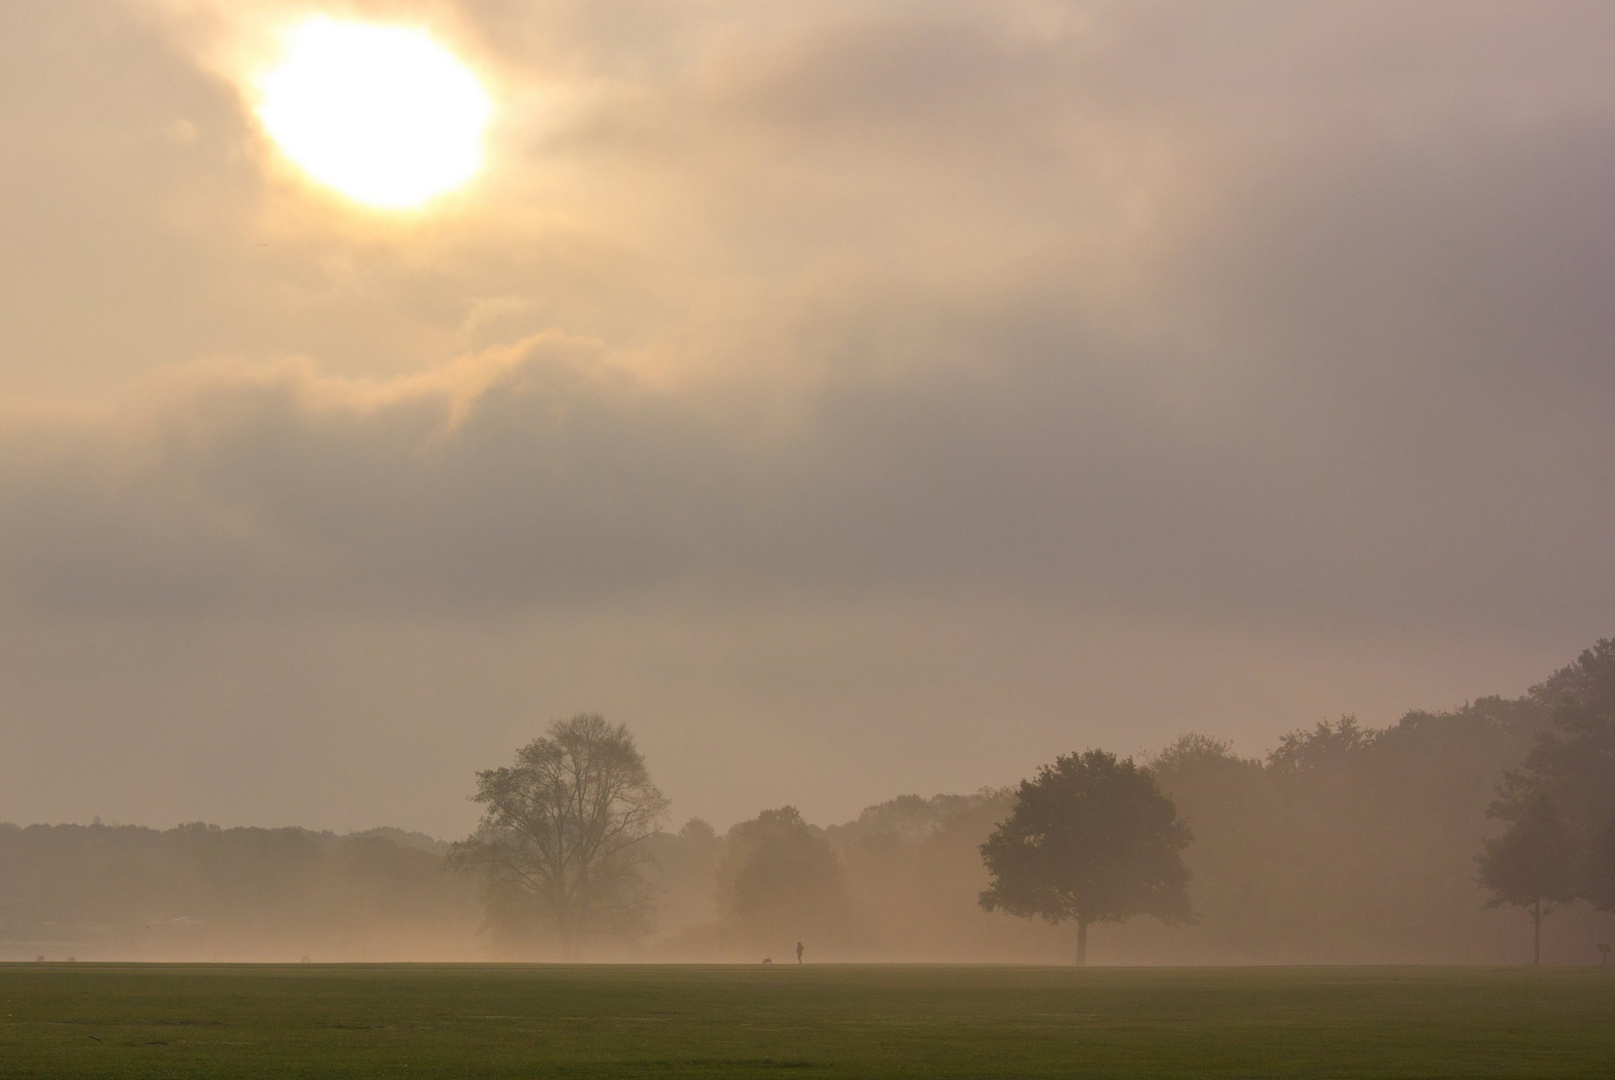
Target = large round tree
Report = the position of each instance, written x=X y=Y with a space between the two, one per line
x=1091 y=839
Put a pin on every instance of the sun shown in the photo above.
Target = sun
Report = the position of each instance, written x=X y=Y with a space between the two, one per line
x=383 y=114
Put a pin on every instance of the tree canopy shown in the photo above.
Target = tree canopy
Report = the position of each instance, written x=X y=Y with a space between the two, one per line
x=1574 y=761
x=1091 y=839
x=1559 y=843
x=1532 y=865
x=562 y=837
x=779 y=879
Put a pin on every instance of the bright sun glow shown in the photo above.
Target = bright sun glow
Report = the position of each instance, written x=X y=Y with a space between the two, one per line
x=384 y=114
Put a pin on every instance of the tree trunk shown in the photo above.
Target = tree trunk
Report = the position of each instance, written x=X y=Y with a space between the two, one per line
x=1536 y=933
x=1082 y=941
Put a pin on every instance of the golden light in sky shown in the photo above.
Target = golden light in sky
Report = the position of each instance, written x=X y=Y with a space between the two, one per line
x=383 y=114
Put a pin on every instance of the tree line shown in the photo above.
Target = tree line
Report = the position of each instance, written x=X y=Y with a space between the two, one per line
x=1343 y=843
x=1420 y=842
x=199 y=892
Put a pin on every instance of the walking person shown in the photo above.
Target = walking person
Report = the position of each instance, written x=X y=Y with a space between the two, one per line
x=799 y=951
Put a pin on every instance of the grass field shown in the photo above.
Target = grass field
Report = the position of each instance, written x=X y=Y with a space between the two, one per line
x=85 y=1020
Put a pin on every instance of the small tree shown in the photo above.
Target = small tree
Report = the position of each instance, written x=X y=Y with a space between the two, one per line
x=1532 y=865
x=1092 y=839
x=563 y=830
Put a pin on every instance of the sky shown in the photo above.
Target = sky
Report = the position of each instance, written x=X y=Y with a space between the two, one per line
x=854 y=398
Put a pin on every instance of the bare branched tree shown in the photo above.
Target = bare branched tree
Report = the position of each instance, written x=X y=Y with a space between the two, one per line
x=563 y=830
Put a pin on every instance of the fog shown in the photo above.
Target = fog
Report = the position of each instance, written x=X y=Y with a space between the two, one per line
x=1343 y=845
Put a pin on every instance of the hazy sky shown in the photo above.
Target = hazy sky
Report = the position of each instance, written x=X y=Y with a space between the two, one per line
x=853 y=397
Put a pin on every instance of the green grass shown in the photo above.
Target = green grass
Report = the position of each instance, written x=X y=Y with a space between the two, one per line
x=90 y=1020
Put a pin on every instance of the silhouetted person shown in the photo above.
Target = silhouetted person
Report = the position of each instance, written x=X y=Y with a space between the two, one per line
x=799 y=951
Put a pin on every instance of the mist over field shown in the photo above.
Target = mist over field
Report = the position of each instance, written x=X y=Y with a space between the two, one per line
x=1343 y=845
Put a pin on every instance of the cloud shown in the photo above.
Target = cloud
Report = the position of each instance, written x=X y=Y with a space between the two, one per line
x=1273 y=314
x=1008 y=329
x=1028 y=454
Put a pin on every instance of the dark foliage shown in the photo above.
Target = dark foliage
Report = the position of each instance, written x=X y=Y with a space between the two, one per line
x=1560 y=804
x=1090 y=839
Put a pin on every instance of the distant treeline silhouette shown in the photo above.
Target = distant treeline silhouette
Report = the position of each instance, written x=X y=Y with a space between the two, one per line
x=199 y=892
x=1344 y=844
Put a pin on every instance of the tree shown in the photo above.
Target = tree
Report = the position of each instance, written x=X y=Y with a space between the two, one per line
x=563 y=831
x=1560 y=804
x=687 y=874
x=1532 y=865
x=1574 y=762
x=780 y=877
x=1328 y=746
x=1092 y=839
